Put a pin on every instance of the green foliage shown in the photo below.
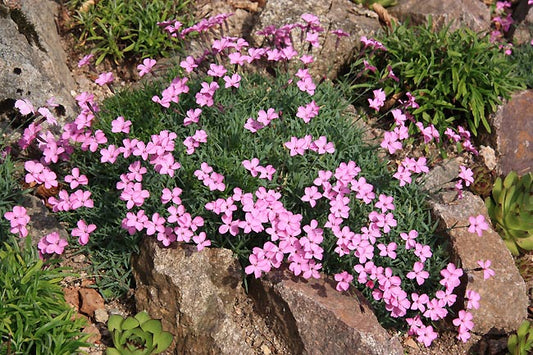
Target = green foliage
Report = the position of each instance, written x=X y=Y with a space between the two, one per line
x=34 y=317
x=10 y=192
x=456 y=77
x=228 y=145
x=523 y=57
x=139 y=335
x=511 y=209
x=521 y=343
x=116 y=28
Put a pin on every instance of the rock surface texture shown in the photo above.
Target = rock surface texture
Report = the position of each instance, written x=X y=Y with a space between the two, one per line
x=504 y=302
x=513 y=126
x=314 y=318
x=333 y=14
x=199 y=297
x=471 y=13
x=32 y=60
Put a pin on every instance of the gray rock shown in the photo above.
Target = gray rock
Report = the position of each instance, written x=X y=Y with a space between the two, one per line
x=32 y=60
x=471 y=13
x=199 y=298
x=513 y=134
x=504 y=300
x=42 y=222
x=333 y=14
x=314 y=318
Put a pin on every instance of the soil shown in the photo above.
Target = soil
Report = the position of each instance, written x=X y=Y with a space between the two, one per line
x=125 y=76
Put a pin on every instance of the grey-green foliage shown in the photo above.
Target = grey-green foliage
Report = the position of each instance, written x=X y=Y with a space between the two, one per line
x=34 y=317
x=457 y=77
x=523 y=58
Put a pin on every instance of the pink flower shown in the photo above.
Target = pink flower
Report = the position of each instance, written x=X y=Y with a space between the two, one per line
x=18 y=219
x=201 y=241
x=85 y=60
x=216 y=70
x=472 y=299
x=25 y=107
x=311 y=195
x=467 y=175
x=193 y=115
x=385 y=203
x=477 y=224
x=251 y=166
x=378 y=101
x=146 y=66
x=450 y=276
x=52 y=243
x=234 y=80
x=76 y=179
x=418 y=273
x=389 y=250
x=119 y=125
x=485 y=266
x=343 y=281
x=188 y=64
x=83 y=231
x=426 y=335
x=105 y=78
x=308 y=111
x=409 y=239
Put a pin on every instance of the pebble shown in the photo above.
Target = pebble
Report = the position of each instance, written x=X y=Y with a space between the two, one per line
x=80 y=258
x=101 y=316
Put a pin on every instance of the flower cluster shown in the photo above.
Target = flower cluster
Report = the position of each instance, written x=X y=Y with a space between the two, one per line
x=260 y=217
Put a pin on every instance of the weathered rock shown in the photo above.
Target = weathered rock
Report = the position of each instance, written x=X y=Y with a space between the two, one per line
x=513 y=132
x=32 y=61
x=100 y=315
x=333 y=14
x=90 y=301
x=200 y=299
x=42 y=222
x=72 y=296
x=314 y=318
x=471 y=13
x=195 y=295
x=504 y=301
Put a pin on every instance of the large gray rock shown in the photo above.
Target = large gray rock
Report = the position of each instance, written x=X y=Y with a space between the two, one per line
x=504 y=301
x=314 y=318
x=471 y=13
x=32 y=60
x=333 y=14
x=513 y=134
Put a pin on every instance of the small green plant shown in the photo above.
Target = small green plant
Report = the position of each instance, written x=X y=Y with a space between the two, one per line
x=34 y=317
x=511 y=209
x=139 y=335
x=116 y=28
x=457 y=77
x=523 y=57
x=521 y=343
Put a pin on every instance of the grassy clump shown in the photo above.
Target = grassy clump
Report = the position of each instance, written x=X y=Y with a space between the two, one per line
x=117 y=28
x=228 y=145
x=458 y=77
x=34 y=317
